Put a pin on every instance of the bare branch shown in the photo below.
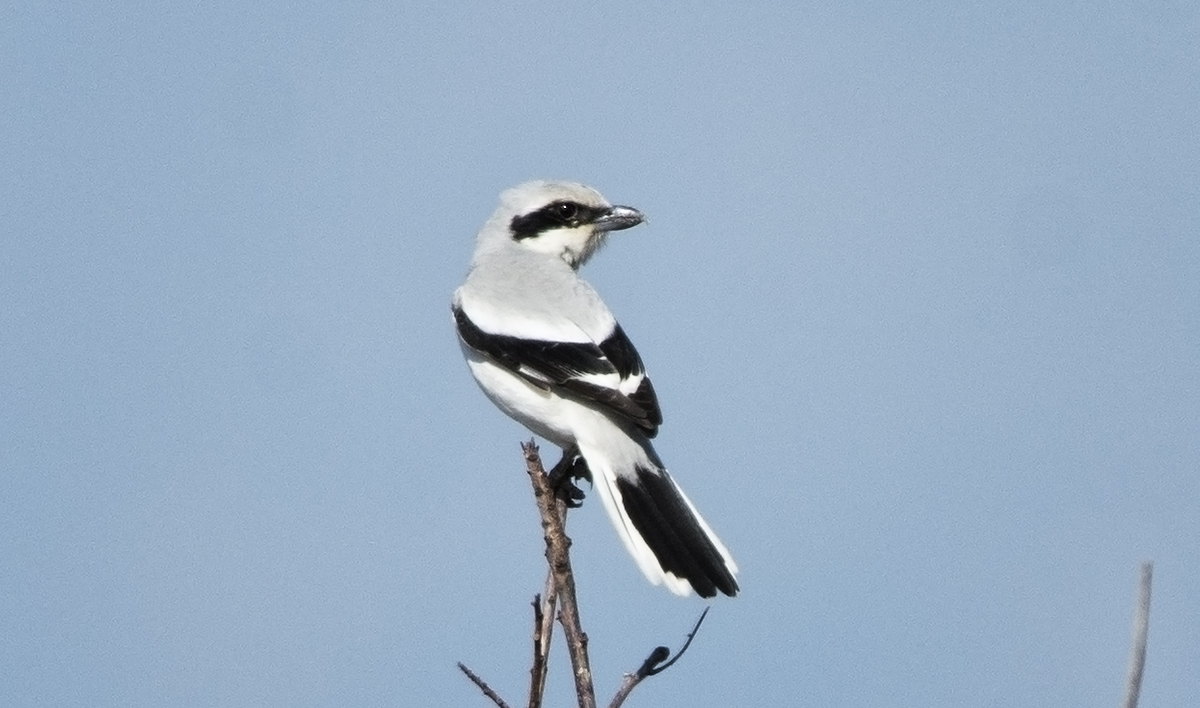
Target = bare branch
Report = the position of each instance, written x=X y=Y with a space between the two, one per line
x=648 y=667
x=651 y=665
x=553 y=512
x=560 y=594
x=487 y=690
x=1137 y=648
x=543 y=630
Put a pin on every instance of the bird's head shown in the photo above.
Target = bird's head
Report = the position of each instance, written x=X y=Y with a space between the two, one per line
x=563 y=219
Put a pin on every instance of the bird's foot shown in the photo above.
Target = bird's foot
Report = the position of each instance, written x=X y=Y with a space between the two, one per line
x=563 y=475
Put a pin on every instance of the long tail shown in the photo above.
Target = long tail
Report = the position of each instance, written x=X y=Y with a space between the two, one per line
x=661 y=528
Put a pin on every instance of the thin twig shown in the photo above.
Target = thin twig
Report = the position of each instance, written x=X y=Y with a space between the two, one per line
x=1137 y=647
x=558 y=556
x=487 y=690
x=651 y=665
x=543 y=630
x=537 y=672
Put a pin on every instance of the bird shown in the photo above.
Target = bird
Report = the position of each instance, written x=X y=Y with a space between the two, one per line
x=547 y=351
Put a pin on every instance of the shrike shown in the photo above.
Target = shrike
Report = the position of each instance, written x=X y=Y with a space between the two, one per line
x=546 y=350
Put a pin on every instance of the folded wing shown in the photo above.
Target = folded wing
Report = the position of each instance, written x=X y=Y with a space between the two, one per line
x=609 y=373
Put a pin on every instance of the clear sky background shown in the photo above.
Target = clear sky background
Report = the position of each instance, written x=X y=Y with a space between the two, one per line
x=919 y=291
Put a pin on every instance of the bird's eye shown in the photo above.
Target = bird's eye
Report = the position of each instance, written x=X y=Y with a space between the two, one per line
x=566 y=211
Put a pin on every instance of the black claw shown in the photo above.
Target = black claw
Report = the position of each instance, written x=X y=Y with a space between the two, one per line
x=580 y=470
x=563 y=475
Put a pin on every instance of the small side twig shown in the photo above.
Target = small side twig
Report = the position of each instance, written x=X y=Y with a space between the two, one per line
x=1137 y=647
x=654 y=665
x=543 y=630
x=487 y=690
x=557 y=555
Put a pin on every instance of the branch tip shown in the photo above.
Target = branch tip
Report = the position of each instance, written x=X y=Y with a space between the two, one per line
x=1141 y=627
x=487 y=690
x=663 y=652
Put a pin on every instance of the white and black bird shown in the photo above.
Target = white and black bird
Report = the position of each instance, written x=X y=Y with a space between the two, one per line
x=546 y=350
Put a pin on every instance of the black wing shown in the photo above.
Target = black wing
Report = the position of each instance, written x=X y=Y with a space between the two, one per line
x=560 y=365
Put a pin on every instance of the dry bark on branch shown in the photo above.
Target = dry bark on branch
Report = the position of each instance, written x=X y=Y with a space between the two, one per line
x=558 y=601
x=553 y=512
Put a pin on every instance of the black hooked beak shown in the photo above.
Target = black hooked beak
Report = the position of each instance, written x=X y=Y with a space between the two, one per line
x=617 y=218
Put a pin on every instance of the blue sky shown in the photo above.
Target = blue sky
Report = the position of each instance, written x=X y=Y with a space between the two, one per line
x=918 y=291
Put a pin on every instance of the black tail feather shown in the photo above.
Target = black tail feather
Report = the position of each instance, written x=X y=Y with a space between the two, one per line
x=673 y=533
